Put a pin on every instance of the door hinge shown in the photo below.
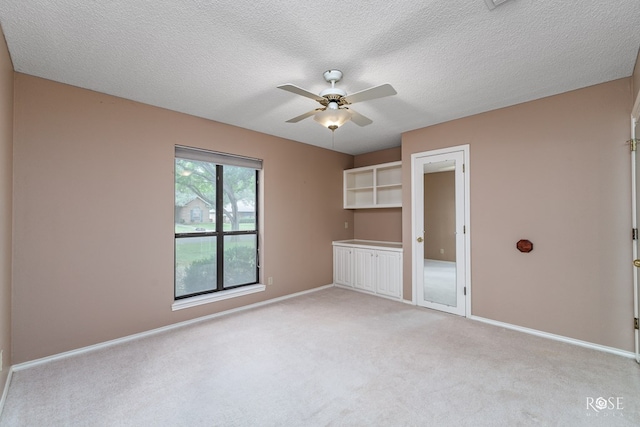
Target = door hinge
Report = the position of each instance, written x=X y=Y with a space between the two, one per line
x=633 y=143
x=464 y=229
x=634 y=234
x=463 y=168
x=635 y=323
x=465 y=292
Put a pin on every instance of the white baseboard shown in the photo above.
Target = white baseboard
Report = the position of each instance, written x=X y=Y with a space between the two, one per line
x=550 y=336
x=555 y=337
x=529 y=331
x=6 y=390
x=362 y=291
x=70 y=353
x=351 y=288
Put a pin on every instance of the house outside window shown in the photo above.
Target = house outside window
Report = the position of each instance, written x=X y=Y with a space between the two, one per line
x=216 y=222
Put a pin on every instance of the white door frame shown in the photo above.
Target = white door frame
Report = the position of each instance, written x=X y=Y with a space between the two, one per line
x=417 y=264
x=635 y=118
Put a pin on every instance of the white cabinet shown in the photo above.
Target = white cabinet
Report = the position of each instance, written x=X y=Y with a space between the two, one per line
x=369 y=266
x=378 y=186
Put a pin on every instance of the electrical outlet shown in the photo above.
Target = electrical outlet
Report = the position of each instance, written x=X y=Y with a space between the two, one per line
x=441 y=251
x=346 y=224
x=270 y=281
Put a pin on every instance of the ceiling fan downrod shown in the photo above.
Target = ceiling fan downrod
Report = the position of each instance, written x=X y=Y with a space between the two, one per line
x=333 y=93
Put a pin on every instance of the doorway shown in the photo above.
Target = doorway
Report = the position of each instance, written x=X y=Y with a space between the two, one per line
x=440 y=216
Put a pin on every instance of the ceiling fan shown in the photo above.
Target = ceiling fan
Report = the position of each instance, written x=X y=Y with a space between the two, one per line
x=335 y=110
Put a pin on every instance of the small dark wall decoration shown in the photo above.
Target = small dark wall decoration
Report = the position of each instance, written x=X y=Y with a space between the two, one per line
x=524 y=246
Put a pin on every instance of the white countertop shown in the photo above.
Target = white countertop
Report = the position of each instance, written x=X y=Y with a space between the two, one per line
x=369 y=244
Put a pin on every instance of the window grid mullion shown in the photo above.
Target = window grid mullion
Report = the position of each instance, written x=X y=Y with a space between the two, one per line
x=220 y=227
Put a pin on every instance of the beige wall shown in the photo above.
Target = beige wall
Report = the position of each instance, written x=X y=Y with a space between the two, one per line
x=440 y=216
x=6 y=186
x=96 y=272
x=376 y=157
x=378 y=224
x=555 y=171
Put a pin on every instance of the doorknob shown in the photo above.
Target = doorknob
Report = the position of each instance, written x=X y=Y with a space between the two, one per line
x=420 y=241
x=636 y=263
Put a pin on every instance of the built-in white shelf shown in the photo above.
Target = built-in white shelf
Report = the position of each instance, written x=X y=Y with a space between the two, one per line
x=377 y=186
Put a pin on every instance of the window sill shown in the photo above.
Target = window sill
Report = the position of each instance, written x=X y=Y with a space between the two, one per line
x=217 y=296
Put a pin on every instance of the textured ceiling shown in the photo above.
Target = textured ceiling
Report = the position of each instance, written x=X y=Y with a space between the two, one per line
x=222 y=59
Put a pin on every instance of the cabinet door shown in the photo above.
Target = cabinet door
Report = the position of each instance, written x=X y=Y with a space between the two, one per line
x=364 y=270
x=389 y=273
x=342 y=266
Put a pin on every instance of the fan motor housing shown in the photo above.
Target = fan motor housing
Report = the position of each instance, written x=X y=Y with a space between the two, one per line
x=333 y=93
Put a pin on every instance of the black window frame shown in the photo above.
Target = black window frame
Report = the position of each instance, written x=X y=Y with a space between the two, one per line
x=220 y=234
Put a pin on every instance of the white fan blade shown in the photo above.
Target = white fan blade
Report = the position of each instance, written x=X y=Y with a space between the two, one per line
x=299 y=91
x=302 y=116
x=359 y=119
x=371 y=93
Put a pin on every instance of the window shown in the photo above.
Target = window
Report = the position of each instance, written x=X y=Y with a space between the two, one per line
x=216 y=251
x=196 y=215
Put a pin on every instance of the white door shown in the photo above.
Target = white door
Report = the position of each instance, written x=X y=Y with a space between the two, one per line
x=440 y=211
x=364 y=269
x=388 y=273
x=342 y=266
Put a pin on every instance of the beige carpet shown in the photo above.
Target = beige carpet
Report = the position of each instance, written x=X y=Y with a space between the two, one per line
x=330 y=358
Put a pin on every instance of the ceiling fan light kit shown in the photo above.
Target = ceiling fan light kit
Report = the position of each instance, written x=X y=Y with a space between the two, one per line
x=332 y=117
x=334 y=111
